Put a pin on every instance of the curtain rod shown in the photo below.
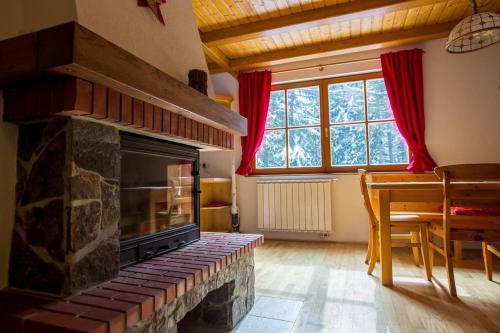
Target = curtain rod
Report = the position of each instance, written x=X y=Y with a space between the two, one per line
x=321 y=67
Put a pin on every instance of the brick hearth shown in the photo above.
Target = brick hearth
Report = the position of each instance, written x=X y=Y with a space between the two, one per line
x=144 y=295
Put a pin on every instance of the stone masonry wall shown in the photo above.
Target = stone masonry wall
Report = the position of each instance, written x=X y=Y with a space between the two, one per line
x=67 y=206
x=224 y=299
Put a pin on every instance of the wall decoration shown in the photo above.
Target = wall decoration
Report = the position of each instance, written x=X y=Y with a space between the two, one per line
x=154 y=5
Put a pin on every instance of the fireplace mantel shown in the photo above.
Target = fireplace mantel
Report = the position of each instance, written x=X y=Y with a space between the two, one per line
x=72 y=50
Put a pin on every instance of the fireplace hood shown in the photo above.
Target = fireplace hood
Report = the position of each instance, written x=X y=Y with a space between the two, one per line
x=71 y=50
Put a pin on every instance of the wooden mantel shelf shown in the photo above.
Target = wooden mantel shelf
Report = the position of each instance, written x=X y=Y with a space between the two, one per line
x=72 y=50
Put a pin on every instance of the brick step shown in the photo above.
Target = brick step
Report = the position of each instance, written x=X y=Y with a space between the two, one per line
x=134 y=295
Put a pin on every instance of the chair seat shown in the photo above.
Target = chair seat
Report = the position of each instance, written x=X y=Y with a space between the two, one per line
x=469 y=222
x=423 y=215
x=396 y=219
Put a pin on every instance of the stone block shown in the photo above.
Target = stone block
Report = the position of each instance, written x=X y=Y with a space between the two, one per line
x=110 y=198
x=34 y=136
x=27 y=270
x=96 y=147
x=97 y=266
x=85 y=224
x=85 y=185
x=46 y=178
x=44 y=226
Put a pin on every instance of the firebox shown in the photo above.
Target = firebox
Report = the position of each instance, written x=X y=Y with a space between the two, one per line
x=159 y=197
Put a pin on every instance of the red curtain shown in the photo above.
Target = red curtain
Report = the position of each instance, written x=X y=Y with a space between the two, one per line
x=403 y=78
x=254 y=93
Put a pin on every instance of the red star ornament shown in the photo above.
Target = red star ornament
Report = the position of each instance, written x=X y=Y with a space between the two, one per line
x=154 y=5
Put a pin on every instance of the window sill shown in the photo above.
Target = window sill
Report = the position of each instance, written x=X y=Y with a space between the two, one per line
x=296 y=177
x=322 y=175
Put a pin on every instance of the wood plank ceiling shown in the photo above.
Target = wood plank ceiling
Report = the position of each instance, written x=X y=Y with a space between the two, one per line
x=246 y=34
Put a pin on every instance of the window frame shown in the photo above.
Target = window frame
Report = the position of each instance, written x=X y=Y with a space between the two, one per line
x=324 y=125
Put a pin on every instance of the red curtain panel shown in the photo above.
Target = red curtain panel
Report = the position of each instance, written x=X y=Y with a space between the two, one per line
x=403 y=79
x=254 y=92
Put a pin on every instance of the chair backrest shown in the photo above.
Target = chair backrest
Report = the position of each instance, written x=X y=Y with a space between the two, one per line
x=469 y=186
x=366 y=198
x=469 y=172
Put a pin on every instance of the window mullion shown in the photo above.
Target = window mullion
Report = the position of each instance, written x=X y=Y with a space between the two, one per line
x=324 y=110
x=286 y=129
x=366 y=126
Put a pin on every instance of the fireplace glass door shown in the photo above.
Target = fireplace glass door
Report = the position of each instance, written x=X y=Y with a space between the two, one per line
x=156 y=194
x=159 y=197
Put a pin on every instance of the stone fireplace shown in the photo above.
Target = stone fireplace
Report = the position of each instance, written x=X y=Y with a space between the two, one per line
x=72 y=213
x=66 y=238
x=85 y=252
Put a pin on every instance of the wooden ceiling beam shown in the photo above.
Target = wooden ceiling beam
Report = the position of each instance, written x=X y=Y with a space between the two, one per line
x=215 y=69
x=216 y=55
x=343 y=46
x=308 y=19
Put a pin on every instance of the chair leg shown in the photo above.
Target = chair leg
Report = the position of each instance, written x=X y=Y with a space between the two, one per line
x=448 y=258
x=369 y=249
x=425 y=251
x=488 y=261
x=431 y=250
x=416 y=256
x=374 y=254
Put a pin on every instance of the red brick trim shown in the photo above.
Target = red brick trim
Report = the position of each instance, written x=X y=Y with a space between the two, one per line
x=77 y=97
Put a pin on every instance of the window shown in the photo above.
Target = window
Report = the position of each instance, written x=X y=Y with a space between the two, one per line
x=331 y=125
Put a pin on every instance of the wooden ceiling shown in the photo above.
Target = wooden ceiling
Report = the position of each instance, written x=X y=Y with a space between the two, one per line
x=247 y=34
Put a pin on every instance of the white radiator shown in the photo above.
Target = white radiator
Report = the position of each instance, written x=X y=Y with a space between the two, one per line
x=300 y=205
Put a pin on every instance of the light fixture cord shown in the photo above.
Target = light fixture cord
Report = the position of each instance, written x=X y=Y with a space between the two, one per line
x=473 y=4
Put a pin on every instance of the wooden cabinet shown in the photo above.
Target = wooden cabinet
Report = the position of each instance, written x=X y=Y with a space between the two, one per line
x=215 y=204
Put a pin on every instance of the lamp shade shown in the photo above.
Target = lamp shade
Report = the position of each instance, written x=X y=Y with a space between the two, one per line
x=474 y=32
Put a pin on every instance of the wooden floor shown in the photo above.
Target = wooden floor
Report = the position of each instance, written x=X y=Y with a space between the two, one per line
x=323 y=287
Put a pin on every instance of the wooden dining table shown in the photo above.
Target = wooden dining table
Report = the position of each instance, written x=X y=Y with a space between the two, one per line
x=406 y=192
x=393 y=192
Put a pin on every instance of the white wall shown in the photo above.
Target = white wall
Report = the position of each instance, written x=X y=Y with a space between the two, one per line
x=462 y=104
x=218 y=163
x=462 y=109
x=174 y=48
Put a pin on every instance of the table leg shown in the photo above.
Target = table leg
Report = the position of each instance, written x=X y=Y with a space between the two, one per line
x=385 y=237
x=457 y=250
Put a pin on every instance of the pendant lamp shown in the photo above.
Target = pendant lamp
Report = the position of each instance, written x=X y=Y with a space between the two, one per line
x=474 y=32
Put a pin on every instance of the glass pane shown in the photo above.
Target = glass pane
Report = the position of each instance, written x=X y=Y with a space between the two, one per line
x=304 y=147
x=303 y=106
x=387 y=146
x=272 y=153
x=155 y=194
x=346 y=102
x=276 y=113
x=348 y=145
x=378 y=102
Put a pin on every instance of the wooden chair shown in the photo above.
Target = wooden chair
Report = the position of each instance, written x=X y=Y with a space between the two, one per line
x=467 y=185
x=488 y=250
x=411 y=228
